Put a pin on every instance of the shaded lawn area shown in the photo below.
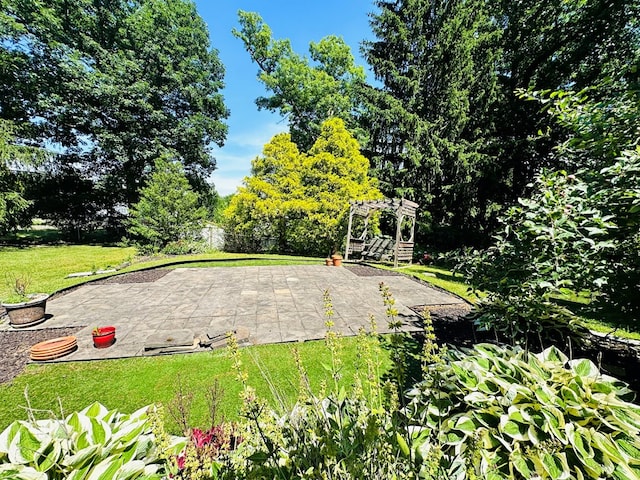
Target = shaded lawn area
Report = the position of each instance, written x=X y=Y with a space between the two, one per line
x=610 y=322
x=128 y=384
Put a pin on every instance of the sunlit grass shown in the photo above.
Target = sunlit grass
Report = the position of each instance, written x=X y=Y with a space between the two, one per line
x=128 y=384
x=439 y=277
x=48 y=266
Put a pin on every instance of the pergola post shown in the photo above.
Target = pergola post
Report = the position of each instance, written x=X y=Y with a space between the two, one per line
x=396 y=248
x=346 y=252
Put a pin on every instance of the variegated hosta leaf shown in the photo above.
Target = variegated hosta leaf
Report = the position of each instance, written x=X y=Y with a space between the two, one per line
x=529 y=415
x=20 y=472
x=94 y=443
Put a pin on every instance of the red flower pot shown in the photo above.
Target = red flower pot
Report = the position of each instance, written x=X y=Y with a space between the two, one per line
x=104 y=337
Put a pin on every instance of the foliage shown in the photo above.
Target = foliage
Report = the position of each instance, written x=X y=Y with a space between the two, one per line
x=354 y=433
x=551 y=244
x=19 y=284
x=504 y=413
x=168 y=210
x=578 y=231
x=13 y=205
x=447 y=129
x=605 y=153
x=90 y=444
x=426 y=128
x=298 y=201
x=111 y=87
x=304 y=92
x=222 y=203
x=488 y=412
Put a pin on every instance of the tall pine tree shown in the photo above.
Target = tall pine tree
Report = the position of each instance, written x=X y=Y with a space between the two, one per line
x=448 y=128
x=436 y=60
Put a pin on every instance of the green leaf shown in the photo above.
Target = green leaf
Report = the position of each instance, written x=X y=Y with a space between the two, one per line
x=95 y=410
x=105 y=470
x=258 y=457
x=23 y=447
x=20 y=472
x=98 y=431
x=402 y=443
x=82 y=457
x=627 y=418
x=521 y=465
x=607 y=446
x=7 y=436
x=552 y=465
x=51 y=457
x=513 y=429
x=130 y=469
x=466 y=425
x=584 y=368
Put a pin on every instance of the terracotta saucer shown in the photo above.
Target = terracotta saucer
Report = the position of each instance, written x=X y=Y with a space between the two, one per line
x=54 y=348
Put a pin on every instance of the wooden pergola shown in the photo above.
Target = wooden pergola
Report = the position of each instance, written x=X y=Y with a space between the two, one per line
x=404 y=210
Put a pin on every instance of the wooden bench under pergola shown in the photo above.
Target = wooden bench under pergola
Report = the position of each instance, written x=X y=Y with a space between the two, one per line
x=405 y=210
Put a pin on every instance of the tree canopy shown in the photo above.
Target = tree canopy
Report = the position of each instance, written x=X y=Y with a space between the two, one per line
x=305 y=90
x=111 y=86
x=447 y=127
x=13 y=205
x=296 y=201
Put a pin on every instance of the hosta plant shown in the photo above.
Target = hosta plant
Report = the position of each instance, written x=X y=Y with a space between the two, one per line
x=95 y=443
x=504 y=413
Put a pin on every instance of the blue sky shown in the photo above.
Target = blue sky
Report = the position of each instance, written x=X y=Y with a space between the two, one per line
x=299 y=21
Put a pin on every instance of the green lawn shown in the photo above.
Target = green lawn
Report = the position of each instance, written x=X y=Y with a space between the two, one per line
x=48 y=266
x=128 y=384
x=440 y=277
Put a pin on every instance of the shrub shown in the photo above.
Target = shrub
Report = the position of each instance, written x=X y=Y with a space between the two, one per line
x=94 y=443
x=498 y=412
x=168 y=209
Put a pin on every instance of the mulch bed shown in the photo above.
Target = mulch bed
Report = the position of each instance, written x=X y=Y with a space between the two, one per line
x=15 y=345
x=142 y=276
x=367 y=271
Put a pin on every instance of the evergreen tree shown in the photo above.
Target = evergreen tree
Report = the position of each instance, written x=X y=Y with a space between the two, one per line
x=168 y=210
x=298 y=202
x=436 y=61
x=447 y=127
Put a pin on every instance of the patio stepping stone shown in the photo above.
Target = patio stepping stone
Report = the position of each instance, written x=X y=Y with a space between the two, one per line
x=170 y=341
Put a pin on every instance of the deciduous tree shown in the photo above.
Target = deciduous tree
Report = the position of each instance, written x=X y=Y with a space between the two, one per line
x=112 y=85
x=306 y=91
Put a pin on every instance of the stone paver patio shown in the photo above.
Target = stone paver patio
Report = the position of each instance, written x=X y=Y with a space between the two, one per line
x=276 y=304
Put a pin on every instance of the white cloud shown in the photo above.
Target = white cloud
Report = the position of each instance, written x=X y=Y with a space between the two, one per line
x=226 y=184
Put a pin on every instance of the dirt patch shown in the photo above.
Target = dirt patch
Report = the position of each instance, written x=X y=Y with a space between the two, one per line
x=142 y=276
x=367 y=271
x=15 y=345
